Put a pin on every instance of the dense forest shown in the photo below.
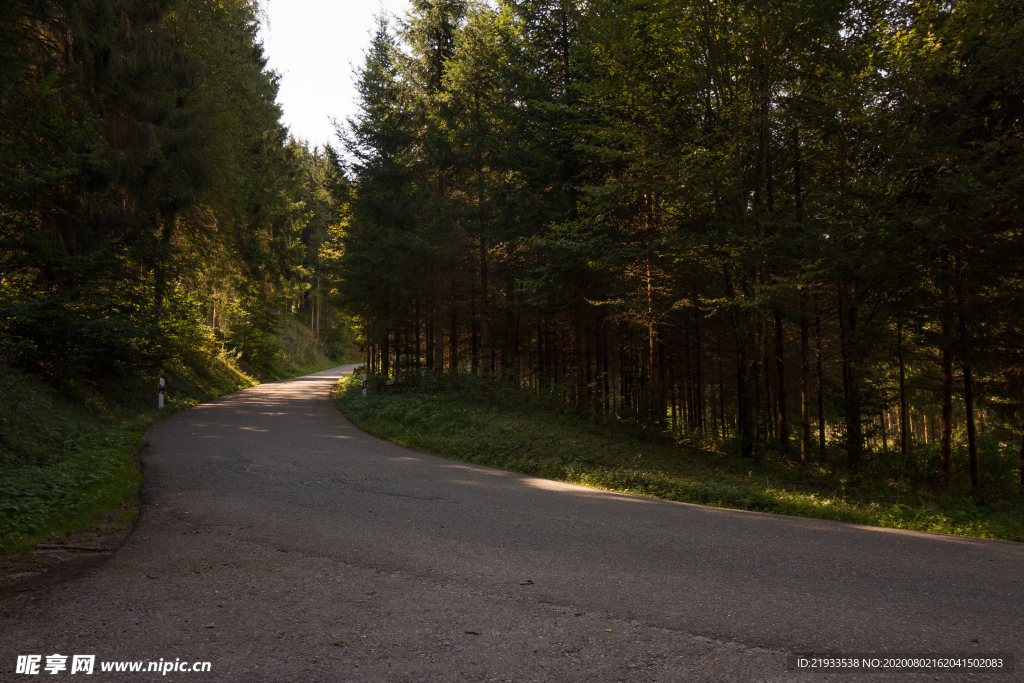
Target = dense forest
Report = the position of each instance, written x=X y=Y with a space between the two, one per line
x=792 y=229
x=154 y=210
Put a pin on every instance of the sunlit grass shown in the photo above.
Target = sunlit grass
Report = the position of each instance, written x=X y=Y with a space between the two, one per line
x=538 y=441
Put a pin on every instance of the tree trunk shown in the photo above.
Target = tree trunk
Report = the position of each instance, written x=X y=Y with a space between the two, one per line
x=1021 y=472
x=606 y=383
x=474 y=330
x=655 y=395
x=744 y=404
x=544 y=364
x=780 y=380
x=721 y=392
x=805 y=391
x=428 y=324
x=508 y=331
x=769 y=412
x=416 y=324
x=965 y=359
x=851 y=382
x=438 y=337
x=698 y=370
x=579 y=355
x=662 y=379
x=453 y=340
x=946 y=447
x=485 y=364
x=399 y=337
x=761 y=403
x=904 y=407
x=624 y=372
x=821 y=389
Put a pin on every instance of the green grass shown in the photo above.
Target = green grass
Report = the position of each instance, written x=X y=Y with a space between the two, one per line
x=509 y=431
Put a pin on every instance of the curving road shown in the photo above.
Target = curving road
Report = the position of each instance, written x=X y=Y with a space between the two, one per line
x=280 y=543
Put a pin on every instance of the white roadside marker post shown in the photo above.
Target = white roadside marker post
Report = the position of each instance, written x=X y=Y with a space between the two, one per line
x=160 y=395
x=364 y=384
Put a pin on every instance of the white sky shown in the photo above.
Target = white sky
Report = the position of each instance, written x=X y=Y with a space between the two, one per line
x=314 y=45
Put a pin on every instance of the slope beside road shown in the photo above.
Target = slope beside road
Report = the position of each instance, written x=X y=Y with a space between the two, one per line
x=280 y=543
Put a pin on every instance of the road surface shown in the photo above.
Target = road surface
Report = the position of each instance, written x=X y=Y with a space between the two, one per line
x=280 y=543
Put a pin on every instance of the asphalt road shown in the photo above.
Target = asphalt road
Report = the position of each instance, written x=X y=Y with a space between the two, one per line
x=280 y=543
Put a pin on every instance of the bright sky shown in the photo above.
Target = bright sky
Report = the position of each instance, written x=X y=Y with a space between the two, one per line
x=314 y=45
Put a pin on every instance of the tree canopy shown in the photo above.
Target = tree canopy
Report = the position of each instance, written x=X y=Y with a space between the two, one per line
x=152 y=206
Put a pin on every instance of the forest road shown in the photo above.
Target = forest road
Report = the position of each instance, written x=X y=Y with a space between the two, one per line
x=280 y=543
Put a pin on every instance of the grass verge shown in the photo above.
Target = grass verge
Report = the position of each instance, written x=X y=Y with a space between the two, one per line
x=69 y=460
x=501 y=430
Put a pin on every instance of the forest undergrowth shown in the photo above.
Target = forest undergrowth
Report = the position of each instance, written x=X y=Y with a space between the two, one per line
x=520 y=432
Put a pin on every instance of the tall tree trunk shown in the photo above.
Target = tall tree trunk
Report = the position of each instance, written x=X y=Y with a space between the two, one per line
x=453 y=339
x=399 y=336
x=805 y=390
x=606 y=384
x=416 y=326
x=508 y=331
x=438 y=337
x=946 y=446
x=579 y=355
x=673 y=395
x=540 y=354
x=1021 y=472
x=848 y=339
x=474 y=329
x=698 y=370
x=689 y=417
x=517 y=318
x=770 y=413
x=904 y=407
x=762 y=403
x=662 y=379
x=624 y=371
x=548 y=361
x=965 y=360
x=721 y=392
x=485 y=329
x=780 y=379
x=821 y=389
x=428 y=331
x=744 y=404
x=655 y=398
